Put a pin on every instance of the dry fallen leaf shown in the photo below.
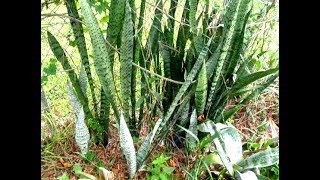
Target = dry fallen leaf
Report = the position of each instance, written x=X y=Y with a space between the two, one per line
x=62 y=161
x=88 y=170
x=56 y=112
x=108 y=175
x=171 y=163
x=65 y=164
x=48 y=173
x=272 y=129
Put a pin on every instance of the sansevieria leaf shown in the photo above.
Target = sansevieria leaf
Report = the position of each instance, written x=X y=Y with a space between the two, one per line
x=210 y=127
x=62 y=58
x=248 y=175
x=144 y=148
x=82 y=135
x=255 y=92
x=232 y=142
x=261 y=88
x=193 y=23
x=261 y=159
x=201 y=91
x=127 y=146
x=233 y=21
x=186 y=85
x=83 y=80
x=126 y=59
x=101 y=58
x=81 y=44
x=73 y=99
x=243 y=82
x=191 y=141
x=116 y=16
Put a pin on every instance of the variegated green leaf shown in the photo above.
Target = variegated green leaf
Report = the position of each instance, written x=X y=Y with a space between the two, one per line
x=83 y=80
x=186 y=85
x=101 y=57
x=145 y=146
x=155 y=28
x=193 y=23
x=232 y=142
x=201 y=91
x=233 y=23
x=222 y=153
x=165 y=53
x=62 y=58
x=261 y=88
x=126 y=59
x=211 y=128
x=137 y=58
x=116 y=18
x=174 y=119
x=81 y=44
x=261 y=159
x=127 y=146
x=104 y=118
x=82 y=135
x=243 y=82
x=248 y=175
x=185 y=115
x=73 y=99
x=191 y=141
x=233 y=61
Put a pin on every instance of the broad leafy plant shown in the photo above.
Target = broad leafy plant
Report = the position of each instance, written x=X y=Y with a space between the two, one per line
x=228 y=146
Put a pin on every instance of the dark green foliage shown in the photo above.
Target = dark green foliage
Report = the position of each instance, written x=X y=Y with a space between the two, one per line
x=62 y=58
x=102 y=61
x=81 y=44
x=126 y=59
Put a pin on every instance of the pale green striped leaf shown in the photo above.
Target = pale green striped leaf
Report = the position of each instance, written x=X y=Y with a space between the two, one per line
x=127 y=146
x=126 y=59
x=101 y=58
x=191 y=141
x=261 y=159
x=144 y=148
x=248 y=175
x=201 y=91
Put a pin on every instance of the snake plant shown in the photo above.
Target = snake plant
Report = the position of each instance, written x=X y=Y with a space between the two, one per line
x=185 y=73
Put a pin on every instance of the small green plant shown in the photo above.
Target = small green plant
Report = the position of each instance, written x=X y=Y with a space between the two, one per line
x=271 y=172
x=93 y=159
x=49 y=70
x=77 y=169
x=64 y=176
x=159 y=169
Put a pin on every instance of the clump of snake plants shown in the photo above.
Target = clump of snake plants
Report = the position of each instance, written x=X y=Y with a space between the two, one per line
x=186 y=74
